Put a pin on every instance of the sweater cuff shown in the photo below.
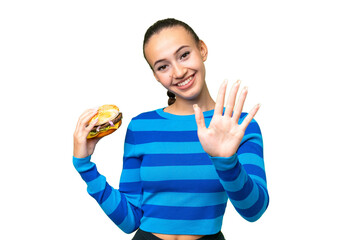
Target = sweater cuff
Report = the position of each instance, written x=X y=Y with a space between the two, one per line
x=224 y=163
x=82 y=164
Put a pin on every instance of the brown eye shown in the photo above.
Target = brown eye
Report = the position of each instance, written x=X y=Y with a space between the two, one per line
x=184 y=55
x=161 y=68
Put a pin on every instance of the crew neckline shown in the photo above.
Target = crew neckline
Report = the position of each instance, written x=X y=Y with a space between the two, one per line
x=167 y=115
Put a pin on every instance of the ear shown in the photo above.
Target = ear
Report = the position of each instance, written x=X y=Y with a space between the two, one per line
x=203 y=50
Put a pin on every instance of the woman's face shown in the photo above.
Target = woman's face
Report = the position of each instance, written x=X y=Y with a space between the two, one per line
x=177 y=61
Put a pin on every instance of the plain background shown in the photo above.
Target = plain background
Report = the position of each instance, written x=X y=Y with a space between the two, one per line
x=300 y=60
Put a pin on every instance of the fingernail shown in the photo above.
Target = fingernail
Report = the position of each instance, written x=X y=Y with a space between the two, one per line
x=195 y=106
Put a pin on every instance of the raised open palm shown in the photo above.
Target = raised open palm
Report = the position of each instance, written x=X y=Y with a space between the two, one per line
x=224 y=134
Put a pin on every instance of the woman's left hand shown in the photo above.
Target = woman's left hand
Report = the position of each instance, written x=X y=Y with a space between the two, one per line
x=223 y=136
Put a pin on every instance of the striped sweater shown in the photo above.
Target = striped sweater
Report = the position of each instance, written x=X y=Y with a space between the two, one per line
x=169 y=185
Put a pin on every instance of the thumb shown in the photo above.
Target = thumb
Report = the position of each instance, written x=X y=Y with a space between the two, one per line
x=199 y=117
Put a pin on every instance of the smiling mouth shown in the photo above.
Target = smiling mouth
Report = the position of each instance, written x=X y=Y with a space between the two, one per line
x=183 y=83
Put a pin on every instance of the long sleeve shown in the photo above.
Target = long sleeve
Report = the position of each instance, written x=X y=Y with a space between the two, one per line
x=243 y=175
x=121 y=206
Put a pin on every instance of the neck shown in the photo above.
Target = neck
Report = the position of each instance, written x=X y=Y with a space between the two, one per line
x=185 y=106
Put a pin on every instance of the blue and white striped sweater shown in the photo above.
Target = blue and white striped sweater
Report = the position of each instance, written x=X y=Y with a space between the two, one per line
x=170 y=185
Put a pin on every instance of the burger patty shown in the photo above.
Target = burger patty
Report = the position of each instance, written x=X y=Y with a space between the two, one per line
x=105 y=125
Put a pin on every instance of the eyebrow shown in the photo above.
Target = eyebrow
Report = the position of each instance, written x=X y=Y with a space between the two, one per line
x=179 y=49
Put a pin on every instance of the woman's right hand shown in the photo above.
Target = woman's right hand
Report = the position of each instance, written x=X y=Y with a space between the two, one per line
x=84 y=147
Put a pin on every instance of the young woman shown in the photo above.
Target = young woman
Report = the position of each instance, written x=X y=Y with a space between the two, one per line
x=182 y=162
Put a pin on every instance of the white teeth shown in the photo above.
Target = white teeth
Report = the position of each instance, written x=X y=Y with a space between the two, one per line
x=185 y=82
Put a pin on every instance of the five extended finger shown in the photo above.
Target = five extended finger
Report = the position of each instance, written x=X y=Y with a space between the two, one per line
x=219 y=105
x=240 y=104
x=231 y=99
x=249 y=117
x=199 y=117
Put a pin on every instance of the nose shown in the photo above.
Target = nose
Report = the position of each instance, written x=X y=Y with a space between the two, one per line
x=179 y=71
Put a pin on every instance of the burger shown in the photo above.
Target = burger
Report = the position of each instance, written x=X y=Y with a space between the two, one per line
x=109 y=120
